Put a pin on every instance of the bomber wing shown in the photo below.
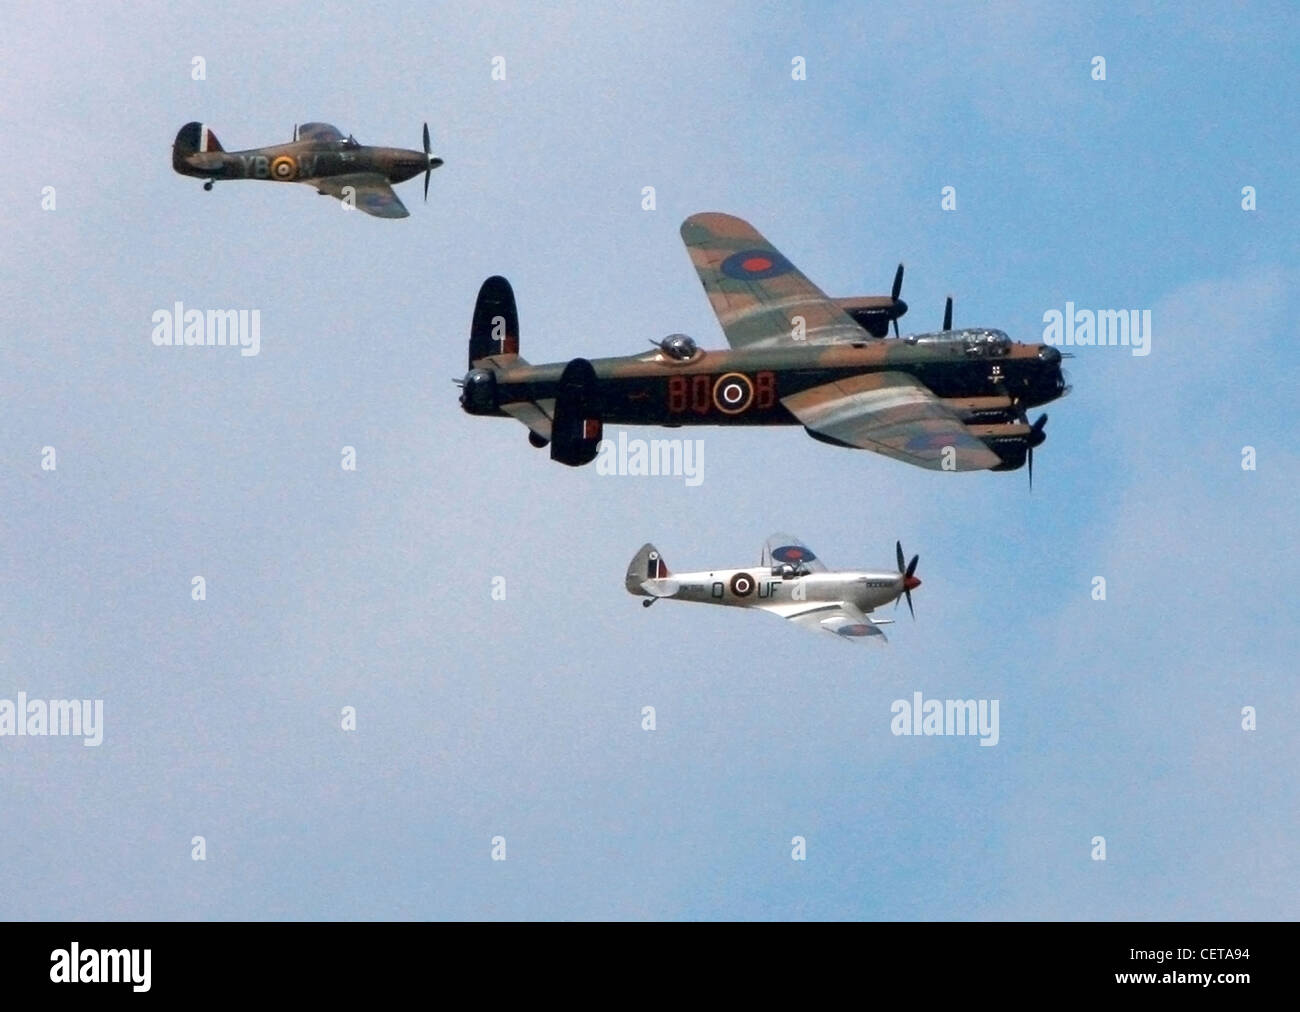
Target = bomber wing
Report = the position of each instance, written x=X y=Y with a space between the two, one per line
x=841 y=619
x=369 y=190
x=894 y=414
x=756 y=292
x=319 y=132
x=538 y=416
x=786 y=548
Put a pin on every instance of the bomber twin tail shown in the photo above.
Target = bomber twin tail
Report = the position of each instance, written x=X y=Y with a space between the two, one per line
x=790 y=581
x=954 y=400
x=320 y=156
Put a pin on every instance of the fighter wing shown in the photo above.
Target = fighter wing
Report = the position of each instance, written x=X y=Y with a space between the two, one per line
x=893 y=414
x=756 y=292
x=368 y=191
x=842 y=619
x=318 y=132
x=786 y=548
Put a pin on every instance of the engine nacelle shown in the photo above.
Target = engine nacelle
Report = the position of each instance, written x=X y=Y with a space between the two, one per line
x=478 y=394
x=1014 y=442
x=873 y=313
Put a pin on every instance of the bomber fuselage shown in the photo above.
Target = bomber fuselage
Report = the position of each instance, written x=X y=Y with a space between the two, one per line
x=745 y=386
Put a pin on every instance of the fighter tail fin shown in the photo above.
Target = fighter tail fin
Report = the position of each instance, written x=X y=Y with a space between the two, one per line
x=495 y=329
x=647 y=564
x=192 y=139
x=196 y=137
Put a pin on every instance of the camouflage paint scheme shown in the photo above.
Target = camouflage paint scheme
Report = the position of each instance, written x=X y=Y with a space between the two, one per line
x=951 y=400
x=790 y=581
x=320 y=156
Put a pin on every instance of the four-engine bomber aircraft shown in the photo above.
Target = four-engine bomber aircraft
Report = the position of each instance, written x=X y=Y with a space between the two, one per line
x=319 y=155
x=953 y=400
x=790 y=581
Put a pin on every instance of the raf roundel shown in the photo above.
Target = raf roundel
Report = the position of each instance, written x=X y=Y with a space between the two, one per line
x=755 y=265
x=283 y=167
x=742 y=585
x=793 y=553
x=733 y=393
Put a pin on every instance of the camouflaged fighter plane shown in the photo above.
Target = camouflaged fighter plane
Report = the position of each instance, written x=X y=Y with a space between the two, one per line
x=790 y=581
x=319 y=155
x=952 y=400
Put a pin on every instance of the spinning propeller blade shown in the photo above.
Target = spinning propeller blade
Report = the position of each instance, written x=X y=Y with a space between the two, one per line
x=1035 y=434
x=899 y=306
x=910 y=582
x=430 y=167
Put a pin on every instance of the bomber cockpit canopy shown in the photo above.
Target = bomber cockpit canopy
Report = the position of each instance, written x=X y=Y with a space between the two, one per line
x=975 y=340
x=995 y=341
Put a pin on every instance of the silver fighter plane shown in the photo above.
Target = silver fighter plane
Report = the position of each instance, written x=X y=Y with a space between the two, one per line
x=790 y=581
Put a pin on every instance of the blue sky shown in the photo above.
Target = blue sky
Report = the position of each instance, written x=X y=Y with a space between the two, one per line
x=521 y=717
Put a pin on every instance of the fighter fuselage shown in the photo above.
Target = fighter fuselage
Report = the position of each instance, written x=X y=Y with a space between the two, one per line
x=302 y=160
x=759 y=586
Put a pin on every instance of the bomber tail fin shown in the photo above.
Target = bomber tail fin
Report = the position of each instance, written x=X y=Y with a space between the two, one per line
x=577 y=427
x=494 y=332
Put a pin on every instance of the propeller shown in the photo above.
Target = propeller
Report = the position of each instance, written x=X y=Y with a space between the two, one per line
x=1035 y=437
x=947 y=314
x=910 y=582
x=894 y=293
x=433 y=163
x=295 y=131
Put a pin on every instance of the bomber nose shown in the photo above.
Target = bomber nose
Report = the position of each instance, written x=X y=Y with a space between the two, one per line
x=911 y=583
x=1048 y=353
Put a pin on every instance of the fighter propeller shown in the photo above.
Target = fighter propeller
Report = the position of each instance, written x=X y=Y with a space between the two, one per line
x=433 y=162
x=910 y=582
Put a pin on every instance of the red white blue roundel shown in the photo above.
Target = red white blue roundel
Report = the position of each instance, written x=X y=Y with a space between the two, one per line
x=854 y=629
x=793 y=554
x=755 y=265
x=742 y=585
